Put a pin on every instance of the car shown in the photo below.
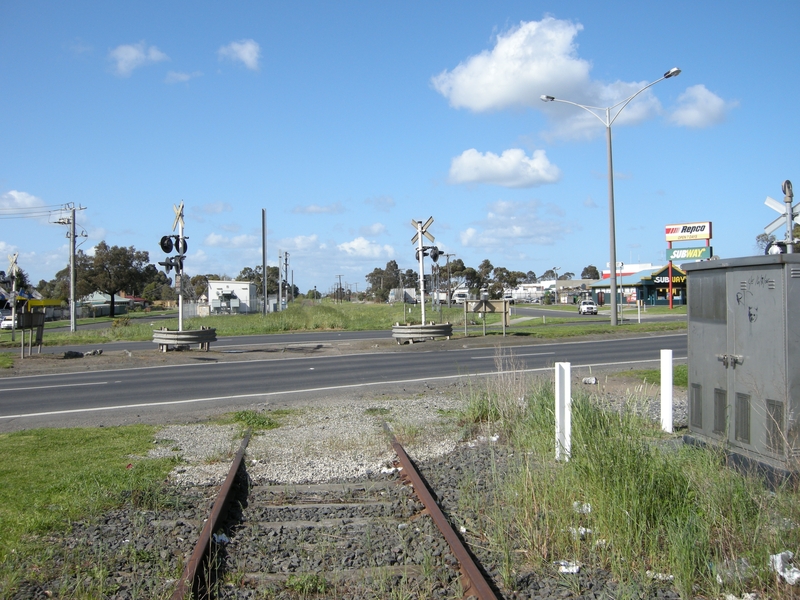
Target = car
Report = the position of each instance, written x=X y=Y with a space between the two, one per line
x=7 y=322
x=587 y=307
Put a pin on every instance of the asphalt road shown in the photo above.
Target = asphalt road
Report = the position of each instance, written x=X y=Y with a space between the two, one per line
x=161 y=393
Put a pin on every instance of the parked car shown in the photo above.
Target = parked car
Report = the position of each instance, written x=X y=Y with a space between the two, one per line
x=7 y=322
x=587 y=307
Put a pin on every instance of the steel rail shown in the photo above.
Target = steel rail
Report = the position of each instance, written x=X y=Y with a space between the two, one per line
x=194 y=572
x=475 y=582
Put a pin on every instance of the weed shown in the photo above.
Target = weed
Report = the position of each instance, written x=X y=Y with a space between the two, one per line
x=674 y=512
x=257 y=421
x=377 y=412
x=307 y=583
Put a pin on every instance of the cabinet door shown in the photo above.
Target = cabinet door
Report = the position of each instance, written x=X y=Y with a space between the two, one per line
x=757 y=361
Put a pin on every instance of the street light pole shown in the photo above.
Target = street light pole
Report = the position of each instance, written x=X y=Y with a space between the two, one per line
x=606 y=118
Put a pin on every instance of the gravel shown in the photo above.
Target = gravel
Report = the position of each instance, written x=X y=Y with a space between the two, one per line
x=134 y=552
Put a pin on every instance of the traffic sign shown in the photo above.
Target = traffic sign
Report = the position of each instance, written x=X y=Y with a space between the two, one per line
x=178 y=215
x=423 y=229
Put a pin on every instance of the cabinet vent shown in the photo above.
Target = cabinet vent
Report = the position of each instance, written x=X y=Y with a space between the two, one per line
x=743 y=418
x=775 y=426
x=720 y=411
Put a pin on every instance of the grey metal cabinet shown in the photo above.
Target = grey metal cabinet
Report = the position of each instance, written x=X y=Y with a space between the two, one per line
x=744 y=356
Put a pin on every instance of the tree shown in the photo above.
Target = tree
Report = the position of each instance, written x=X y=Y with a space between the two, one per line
x=159 y=288
x=116 y=268
x=566 y=276
x=382 y=281
x=530 y=277
x=763 y=240
x=590 y=272
x=485 y=271
x=548 y=275
x=253 y=276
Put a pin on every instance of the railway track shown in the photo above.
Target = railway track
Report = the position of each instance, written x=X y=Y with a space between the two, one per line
x=381 y=537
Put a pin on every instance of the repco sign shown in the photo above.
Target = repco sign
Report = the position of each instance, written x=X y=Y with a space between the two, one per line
x=688 y=231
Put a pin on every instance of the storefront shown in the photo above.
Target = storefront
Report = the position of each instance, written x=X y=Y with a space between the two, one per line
x=652 y=286
x=655 y=288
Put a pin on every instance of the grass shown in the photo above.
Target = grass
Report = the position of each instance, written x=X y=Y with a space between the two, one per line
x=680 y=376
x=96 y=470
x=257 y=421
x=655 y=505
x=328 y=316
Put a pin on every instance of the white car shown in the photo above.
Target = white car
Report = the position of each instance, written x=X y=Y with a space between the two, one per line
x=587 y=307
x=7 y=322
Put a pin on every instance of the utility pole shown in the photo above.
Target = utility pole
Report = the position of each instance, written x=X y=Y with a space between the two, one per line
x=71 y=235
x=286 y=274
x=264 y=257
x=339 y=290
x=449 y=283
x=280 y=281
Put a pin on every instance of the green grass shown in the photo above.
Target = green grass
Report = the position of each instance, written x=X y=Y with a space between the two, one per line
x=257 y=421
x=51 y=477
x=656 y=504
x=6 y=360
x=328 y=316
x=680 y=375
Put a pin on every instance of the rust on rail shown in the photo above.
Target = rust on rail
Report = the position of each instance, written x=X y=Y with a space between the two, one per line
x=192 y=577
x=475 y=583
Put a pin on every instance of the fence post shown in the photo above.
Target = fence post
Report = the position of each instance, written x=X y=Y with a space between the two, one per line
x=563 y=410
x=666 y=390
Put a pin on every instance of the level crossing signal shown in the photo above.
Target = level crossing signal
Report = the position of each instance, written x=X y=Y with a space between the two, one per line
x=167 y=245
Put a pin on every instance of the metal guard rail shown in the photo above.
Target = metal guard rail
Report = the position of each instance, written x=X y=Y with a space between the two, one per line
x=202 y=337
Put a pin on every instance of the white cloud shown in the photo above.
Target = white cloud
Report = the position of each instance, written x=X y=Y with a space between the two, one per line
x=318 y=209
x=128 y=57
x=535 y=58
x=363 y=248
x=239 y=241
x=512 y=169
x=177 y=77
x=539 y=58
x=215 y=208
x=246 y=51
x=698 y=107
x=16 y=204
x=303 y=242
x=373 y=230
x=381 y=203
x=510 y=224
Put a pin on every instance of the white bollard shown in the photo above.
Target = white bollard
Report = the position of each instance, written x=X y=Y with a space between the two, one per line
x=666 y=390
x=563 y=411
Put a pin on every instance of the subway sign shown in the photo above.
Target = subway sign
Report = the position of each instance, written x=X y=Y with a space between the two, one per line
x=665 y=279
x=701 y=253
x=688 y=231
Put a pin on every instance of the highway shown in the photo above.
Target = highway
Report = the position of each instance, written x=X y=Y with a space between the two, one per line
x=209 y=385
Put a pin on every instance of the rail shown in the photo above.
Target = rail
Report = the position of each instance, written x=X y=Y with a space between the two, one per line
x=193 y=575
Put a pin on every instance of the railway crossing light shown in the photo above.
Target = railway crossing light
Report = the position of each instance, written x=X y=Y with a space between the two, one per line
x=167 y=246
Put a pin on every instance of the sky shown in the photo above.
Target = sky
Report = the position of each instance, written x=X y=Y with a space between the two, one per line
x=346 y=121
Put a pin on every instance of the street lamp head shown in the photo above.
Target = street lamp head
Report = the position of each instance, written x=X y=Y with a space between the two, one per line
x=673 y=72
x=544 y=98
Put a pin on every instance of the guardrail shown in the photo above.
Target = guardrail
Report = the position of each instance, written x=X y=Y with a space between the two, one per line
x=412 y=333
x=169 y=337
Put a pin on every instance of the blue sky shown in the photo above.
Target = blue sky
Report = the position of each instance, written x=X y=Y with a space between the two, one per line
x=347 y=120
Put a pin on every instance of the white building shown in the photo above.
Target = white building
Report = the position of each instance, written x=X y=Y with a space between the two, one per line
x=232 y=296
